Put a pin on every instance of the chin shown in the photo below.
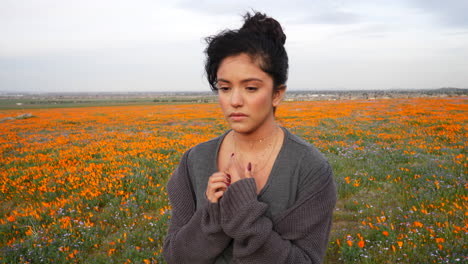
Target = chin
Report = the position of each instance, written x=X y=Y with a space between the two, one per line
x=242 y=128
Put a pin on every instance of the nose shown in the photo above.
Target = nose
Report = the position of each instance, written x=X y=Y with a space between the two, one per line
x=236 y=98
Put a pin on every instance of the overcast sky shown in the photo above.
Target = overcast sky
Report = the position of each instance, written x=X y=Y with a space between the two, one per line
x=151 y=45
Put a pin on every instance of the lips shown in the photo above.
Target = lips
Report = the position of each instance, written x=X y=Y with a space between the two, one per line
x=237 y=116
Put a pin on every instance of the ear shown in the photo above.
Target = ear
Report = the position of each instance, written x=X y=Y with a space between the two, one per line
x=278 y=95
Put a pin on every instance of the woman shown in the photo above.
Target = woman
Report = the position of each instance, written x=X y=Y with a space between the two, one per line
x=256 y=194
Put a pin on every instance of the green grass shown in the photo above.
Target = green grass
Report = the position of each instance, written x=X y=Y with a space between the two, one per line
x=75 y=190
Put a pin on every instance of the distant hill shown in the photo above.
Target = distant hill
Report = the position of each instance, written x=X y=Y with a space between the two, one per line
x=40 y=100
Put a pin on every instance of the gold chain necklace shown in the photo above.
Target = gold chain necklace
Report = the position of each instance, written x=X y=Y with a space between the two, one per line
x=238 y=157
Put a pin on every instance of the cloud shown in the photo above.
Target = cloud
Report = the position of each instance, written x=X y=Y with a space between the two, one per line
x=29 y=27
x=143 y=68
x=293 y=11
x=333 y=17
x=158 y=45
x=452 y=13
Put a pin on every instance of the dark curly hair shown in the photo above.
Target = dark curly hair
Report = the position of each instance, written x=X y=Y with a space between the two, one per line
x=261 y=37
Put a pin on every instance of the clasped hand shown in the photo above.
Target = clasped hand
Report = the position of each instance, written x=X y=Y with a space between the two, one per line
x=220 y=181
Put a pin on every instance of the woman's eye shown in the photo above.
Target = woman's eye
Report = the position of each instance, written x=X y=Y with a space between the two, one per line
x=223 y=89
x=251 y=89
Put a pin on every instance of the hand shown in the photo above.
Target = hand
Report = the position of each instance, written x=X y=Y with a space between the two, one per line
x=235 y=173
x=217 y=184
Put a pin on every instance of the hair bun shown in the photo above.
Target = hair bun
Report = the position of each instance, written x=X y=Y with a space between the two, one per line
x=261 y=24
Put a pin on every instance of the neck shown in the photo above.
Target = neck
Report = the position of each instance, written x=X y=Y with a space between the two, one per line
x=262 y=134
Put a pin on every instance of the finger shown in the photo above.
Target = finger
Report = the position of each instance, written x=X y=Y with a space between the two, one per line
x=235 y=172
x=228 y=179
x=248 y=171
x=231 y=164
x=219 y=194
x=218 y=177
x=215 y=186
x=221 y=178
x=212 y=194
x=217 y=174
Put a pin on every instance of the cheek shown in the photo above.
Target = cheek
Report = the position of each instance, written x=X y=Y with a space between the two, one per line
x=223 y=103
x=262 y=102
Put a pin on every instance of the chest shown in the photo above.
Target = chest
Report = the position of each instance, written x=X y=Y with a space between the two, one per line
x=279 y=191
x=260 y=172
x=262 y=161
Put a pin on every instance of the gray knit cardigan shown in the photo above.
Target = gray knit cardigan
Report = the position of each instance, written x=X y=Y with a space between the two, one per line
x=289 y=221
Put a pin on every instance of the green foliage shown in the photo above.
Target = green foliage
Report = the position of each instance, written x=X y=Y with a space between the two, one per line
x=99 y=188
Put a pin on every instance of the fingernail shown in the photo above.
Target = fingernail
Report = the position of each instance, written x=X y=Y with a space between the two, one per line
x=249 y=167
x=232 y=155
x=228 y=180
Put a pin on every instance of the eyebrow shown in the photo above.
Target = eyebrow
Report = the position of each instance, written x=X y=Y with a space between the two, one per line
x=243 y=81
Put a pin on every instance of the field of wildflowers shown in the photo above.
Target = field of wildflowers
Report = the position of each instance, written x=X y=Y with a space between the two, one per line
x=88 y=184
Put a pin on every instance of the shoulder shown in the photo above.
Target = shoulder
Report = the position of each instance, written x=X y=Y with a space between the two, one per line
x=204 y=150
x=313 y=168
x=201 y=160
x=201 y=151
x=195 y=160
x=306 y=152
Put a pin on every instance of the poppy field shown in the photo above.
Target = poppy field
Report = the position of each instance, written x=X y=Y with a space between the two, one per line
x=87 y=185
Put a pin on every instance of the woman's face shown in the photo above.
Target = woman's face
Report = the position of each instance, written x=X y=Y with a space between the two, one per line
x=246 y=94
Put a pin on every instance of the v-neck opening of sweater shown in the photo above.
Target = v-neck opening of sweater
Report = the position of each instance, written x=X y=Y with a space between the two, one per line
x=273 y=168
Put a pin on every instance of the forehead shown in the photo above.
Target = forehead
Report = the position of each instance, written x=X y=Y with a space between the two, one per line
x=240 y=66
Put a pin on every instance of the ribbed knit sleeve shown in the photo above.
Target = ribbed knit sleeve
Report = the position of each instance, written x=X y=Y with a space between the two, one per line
x=299 y=235
x=194 y=236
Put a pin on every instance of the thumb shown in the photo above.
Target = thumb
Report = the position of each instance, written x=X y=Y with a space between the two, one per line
x=231 y=168
x=248 y=171
x=230 y=164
